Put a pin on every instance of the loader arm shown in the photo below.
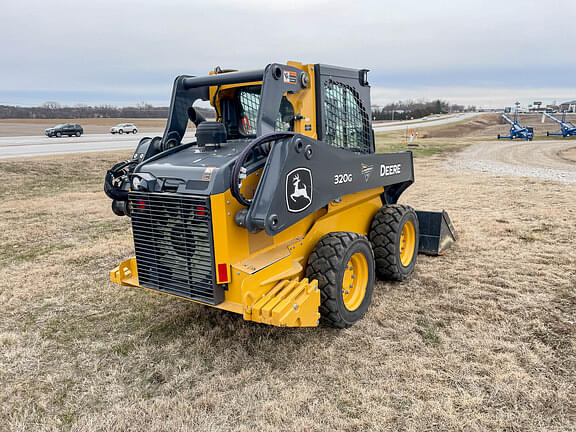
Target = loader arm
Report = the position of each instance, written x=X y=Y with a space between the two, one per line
x=302 y=175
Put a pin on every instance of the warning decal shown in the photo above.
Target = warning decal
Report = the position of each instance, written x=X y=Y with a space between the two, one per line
x=289 y=77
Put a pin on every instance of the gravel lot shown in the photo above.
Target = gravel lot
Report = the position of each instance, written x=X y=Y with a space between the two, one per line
x=545 y=159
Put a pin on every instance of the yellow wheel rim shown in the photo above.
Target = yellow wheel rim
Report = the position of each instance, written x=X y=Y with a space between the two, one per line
x=407 y=243
x=355 y=281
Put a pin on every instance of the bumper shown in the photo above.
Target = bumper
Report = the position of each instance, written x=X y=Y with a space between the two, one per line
x=288 y=303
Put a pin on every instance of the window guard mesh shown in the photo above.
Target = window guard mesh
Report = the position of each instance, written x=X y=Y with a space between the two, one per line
x=250 y=101
x=346 y=122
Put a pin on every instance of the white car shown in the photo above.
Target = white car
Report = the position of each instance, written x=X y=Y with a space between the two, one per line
x=124 y=128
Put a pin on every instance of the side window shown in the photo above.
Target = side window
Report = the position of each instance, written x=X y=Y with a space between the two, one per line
x=346 y=122
x=249 y=98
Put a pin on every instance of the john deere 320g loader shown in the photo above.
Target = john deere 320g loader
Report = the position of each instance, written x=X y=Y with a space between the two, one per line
x=280 y=210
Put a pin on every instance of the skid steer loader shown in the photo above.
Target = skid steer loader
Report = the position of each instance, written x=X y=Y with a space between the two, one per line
x=280 y=210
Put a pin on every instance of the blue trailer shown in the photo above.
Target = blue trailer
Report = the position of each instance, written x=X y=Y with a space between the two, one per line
x=566 y=128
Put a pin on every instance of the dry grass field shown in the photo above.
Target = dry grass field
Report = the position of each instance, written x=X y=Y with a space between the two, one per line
x=483 y=338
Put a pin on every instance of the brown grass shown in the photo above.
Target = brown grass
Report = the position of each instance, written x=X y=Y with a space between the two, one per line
x=480 y=339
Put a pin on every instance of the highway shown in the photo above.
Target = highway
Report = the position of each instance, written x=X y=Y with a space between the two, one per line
x=412 y=124
x=35 y=146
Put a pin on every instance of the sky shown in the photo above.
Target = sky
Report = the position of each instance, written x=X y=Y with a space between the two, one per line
x=486 y=53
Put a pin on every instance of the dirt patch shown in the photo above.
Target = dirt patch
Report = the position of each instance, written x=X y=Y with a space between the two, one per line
x=490 y=125
x=33 y=127
x=467 y=128
x=483 y=338
x=568 y=154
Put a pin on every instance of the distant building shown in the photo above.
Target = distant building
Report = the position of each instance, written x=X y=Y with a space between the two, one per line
x=552 y=108
x=569 y=106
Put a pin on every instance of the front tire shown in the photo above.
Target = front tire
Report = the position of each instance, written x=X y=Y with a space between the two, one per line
x=58 y=134
x=78 y=134
x=121 y=131
x=343 y=265
x=394 y=235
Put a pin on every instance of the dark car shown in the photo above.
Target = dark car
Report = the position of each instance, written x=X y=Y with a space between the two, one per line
x=69 y=129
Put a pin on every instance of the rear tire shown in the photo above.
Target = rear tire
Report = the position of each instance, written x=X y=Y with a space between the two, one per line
x=343 y=265
x=394 y=235
x=78 y=134
x=121 y=131
x=134 y=131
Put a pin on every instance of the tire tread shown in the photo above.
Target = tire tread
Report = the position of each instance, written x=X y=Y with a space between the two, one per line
x=383 y=231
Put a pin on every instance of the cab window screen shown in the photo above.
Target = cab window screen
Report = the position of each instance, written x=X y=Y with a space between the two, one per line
x=249 y=98
x=346 y=122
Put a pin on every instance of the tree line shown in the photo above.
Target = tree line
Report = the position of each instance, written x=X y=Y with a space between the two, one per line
x=53 y=110
x=405 y=110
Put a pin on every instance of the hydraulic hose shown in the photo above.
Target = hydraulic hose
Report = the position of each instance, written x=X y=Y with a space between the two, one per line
x=110 y=187
x=241 y=160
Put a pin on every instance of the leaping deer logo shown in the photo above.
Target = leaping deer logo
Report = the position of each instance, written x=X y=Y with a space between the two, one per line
x=298 y=191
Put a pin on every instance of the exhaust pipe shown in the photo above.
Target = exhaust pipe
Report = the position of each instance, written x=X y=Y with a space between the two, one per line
x=195 y=117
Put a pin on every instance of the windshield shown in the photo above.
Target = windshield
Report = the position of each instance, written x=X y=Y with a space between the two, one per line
x=249 y=98
x=59 y=125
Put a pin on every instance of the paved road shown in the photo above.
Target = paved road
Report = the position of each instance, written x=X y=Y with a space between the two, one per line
x=416 y=124
x=12 y=147
x=27 y=146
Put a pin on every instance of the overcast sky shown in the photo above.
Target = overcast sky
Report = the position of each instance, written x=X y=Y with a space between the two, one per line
x=487 y=53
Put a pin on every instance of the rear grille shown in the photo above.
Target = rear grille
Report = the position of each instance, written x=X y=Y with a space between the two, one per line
x=173 y=243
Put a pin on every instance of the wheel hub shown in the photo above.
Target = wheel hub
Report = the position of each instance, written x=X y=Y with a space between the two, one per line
x=355 y=281
x=407 y=243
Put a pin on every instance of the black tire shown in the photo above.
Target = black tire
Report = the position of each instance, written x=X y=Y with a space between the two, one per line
x=58 y=134
x=328 y=263
x=78 y=134
x=121 y=131
x=113 y=133
x=386 y=235
x=134 y=131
